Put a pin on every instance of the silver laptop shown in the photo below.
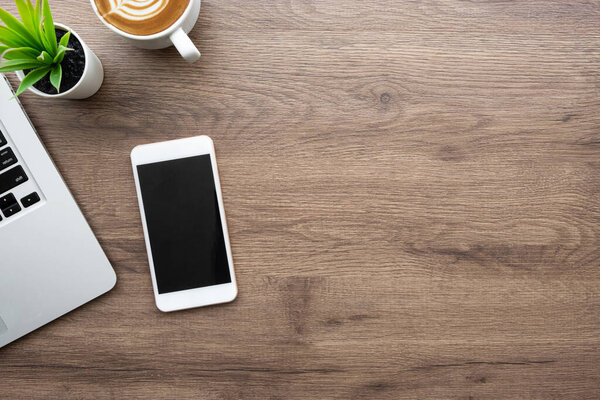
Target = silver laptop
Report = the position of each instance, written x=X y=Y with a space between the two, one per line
x=50 y=261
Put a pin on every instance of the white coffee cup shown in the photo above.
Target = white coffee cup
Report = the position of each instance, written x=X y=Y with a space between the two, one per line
x=174 y=35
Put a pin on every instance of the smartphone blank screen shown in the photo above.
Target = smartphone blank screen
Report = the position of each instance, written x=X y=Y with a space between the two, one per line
x=184 y=223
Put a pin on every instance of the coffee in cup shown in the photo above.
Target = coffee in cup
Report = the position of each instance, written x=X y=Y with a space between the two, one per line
x=141 y=17
x=152 y=24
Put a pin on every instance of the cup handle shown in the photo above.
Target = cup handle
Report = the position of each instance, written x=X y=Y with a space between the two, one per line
x=185 y=46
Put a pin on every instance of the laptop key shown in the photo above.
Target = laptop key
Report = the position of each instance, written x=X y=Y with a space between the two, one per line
x=11 y=178
x=2 y=139
x=7 y=200
x=30 y=199
x=11 y=210
x=7 y=158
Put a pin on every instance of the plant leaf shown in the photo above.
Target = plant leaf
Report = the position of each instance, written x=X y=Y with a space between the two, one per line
x=49 y=28
x=17 y=27
x=45 y=58
x=11 y=38
x=32 y=78
x=60 y=55
x=38 y=9
x=19 y=53
x=56 y=77
x=36 y=13
x=25 y=14
x=64 y=41
x=18 y=65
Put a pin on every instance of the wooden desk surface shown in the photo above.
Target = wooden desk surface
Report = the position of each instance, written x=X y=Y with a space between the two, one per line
x=412 y=193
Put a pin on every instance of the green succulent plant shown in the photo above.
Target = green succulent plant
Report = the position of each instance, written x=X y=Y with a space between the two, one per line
x=31 y=44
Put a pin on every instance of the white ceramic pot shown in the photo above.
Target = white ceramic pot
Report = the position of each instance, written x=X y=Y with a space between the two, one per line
x=90 y=81
x=174 y=35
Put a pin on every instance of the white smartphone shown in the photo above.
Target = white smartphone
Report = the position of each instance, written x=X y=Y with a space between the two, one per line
x=184 y=223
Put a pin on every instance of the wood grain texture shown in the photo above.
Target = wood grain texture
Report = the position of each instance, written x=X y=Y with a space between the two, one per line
x=412 y=196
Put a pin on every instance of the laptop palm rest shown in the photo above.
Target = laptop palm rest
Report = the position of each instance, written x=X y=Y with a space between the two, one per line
x=3 y=327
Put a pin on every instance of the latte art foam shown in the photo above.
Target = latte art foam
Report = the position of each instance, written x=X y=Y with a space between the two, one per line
x=137 y=10
x=141 y=17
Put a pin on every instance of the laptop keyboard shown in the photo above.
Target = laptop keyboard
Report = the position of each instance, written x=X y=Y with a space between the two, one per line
x=7 y=158
x=11 y=177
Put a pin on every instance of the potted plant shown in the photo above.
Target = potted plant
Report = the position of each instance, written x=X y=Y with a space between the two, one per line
x=50 y=59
